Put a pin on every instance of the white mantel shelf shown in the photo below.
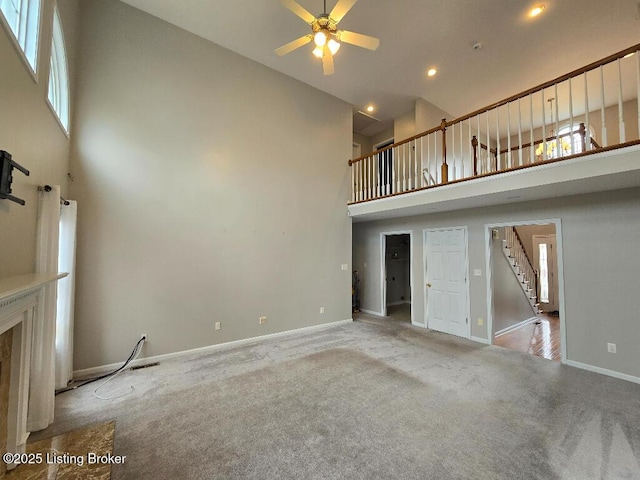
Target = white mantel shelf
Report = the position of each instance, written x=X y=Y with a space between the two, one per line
x=14 y=287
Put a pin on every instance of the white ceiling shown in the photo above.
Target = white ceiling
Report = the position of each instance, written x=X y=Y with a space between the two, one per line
x=517 y=52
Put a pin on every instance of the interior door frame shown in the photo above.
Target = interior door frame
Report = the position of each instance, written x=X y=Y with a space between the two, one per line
x=383 y=269
x=559 y=257
x=466 y=266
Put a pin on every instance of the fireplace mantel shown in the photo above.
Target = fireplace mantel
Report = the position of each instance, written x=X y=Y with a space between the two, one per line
x=20 y=305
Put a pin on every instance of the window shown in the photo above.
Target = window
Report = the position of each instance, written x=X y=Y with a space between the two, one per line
x=58 y=76
x=566 y=135
x=22 y=17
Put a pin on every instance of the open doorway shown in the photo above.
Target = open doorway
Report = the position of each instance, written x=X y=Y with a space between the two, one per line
x=396 y=276
x=525 y=294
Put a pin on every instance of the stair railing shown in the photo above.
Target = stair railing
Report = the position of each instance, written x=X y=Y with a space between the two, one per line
x=522 y=261
x=518 y=132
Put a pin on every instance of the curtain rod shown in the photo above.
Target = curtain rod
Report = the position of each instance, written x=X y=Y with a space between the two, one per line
x=47 y=188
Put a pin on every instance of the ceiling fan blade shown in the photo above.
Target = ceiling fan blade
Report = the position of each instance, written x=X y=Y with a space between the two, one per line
x=291 y=46
x=327 y=62
x=299 y=10
x=359 y=40
x=341 y=9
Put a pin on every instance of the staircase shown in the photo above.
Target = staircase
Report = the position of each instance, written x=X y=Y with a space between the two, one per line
x=522 y=266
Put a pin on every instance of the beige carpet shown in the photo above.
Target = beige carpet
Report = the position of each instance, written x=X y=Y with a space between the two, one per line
x=368 y=400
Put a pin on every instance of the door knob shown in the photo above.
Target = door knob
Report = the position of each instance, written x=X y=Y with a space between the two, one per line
x=429 y=285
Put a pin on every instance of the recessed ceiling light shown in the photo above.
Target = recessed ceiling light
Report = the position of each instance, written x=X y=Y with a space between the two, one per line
x=370 y=108
x=431 y=72
x=535 y=11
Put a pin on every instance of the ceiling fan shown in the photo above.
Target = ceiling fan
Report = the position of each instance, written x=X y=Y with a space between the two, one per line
x=325 y=33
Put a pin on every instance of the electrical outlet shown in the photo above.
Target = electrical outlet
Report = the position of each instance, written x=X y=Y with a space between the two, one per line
x=262 y=320
x=144 y=337
x=321 y=309
x=345 y=266
x=611 y=348
x=480 y=322
x=217 y=326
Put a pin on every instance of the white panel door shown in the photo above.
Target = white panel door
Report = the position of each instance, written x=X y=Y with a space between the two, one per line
x=446 y=289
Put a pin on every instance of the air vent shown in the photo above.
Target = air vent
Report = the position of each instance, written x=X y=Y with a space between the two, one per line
x=138 y=367
x=362 y=121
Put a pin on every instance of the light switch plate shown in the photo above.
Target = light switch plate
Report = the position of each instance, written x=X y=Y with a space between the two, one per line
x=477 y=272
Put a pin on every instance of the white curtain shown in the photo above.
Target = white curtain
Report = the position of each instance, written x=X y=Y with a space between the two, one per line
x=42 y=375
x=66 y=289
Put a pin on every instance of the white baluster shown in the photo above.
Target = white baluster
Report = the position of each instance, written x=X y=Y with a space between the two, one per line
x=353 y=183
x=622 y=135
x=559 y=150
x=586 y=115
x=461 y=154
x=532 y=148
x=488 y=144
x=544 y=130
x=519 y=133
x=571 y=117
x=498 y=160
x=479 y=149
x=602 y=115
x=508 y=136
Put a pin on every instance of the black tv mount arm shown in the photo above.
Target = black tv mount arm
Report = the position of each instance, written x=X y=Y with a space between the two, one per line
x=6 y=168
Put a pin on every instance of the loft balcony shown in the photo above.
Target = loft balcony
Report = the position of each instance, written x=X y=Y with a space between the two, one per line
x=578 y=133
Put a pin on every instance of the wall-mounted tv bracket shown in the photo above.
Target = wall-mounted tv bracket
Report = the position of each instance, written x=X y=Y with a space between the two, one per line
x=6 y=168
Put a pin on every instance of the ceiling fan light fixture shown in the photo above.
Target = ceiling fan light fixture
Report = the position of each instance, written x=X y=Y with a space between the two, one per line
x=318 y=51
x=537 y=10
x=334 y=46
x=320 y=38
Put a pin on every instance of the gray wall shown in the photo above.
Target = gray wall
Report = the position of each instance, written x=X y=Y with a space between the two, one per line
x=510 y=303
x=30 y=132
x=210 y=188
x=601 y=261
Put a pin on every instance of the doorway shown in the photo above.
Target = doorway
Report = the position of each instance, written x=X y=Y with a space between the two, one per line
x=385 y=167
x=447 y=290
x=397 y=276
x=526 y=311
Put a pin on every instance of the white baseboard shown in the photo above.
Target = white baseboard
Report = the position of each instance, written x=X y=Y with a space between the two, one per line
x=87 y=372
x=371 y=312
x=480 y=340
x=516 y=326
x=604 y=371
x=416 y=324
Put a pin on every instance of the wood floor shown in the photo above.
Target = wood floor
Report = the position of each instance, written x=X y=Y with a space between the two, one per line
x=542 y=340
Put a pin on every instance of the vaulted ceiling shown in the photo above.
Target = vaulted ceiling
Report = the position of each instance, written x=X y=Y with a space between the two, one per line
x=517 y=51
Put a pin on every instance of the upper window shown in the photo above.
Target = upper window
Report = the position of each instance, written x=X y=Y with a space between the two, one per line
x=560 y=146
x=23 y=18
x=58 y=76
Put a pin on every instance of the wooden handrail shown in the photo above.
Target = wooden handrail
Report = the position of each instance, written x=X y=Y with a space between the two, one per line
x=406 y=140
x=535 y=272
x=550 y=83
x=562 y=78
x=367 y=169
x=631 y=143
